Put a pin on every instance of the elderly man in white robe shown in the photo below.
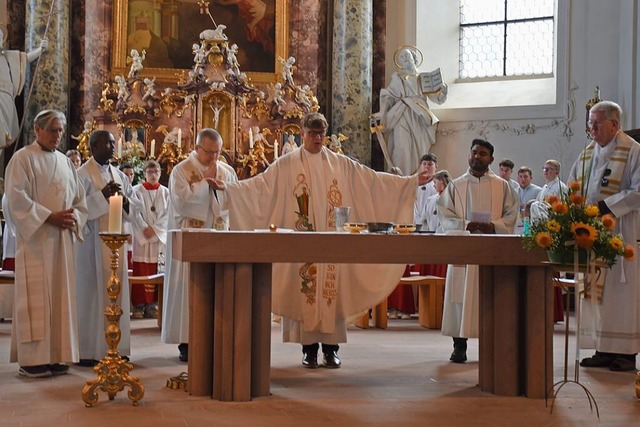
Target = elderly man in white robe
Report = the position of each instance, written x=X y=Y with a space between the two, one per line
x=300 y=191
x=194 y=203
x=101 y=180
x=611 y=166
x=47 y=204
x=479 y=202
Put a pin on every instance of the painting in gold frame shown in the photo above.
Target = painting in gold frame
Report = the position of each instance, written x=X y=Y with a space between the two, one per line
x=167 y=29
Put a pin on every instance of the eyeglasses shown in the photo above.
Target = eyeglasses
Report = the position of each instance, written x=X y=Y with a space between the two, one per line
x=314 y=133
x=546 y=169
x=209 y=152
x=605 y=181
x=597 y=123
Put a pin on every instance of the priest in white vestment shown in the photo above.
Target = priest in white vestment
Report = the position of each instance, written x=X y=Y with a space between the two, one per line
x=300 y=191
x=611 y=164
x=47 y=204
x=479 y=202
x=194 y=203
x=93 y=270
x=149 y=236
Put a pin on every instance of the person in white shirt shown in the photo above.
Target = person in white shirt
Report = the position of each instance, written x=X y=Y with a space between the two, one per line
x=428 y=164
x=149 y=237
x=506 y=169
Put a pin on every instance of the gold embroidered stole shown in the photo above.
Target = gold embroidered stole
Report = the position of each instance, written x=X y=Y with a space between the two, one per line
x=615 y=166
x=305 y=220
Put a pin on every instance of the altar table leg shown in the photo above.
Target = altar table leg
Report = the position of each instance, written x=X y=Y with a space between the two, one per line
x=201 y=299
x=261 y=331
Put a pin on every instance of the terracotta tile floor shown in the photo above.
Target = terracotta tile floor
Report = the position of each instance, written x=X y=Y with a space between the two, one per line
x=395 y=377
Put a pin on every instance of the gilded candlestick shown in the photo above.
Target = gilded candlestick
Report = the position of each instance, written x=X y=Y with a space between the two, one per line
x=113 y=371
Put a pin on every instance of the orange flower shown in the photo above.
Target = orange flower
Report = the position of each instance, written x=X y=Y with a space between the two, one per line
x=574 y=186
x=544 y=240
x=629 y=252
x=582 y=229
x=584 y=241
x=609 y=221
x=616 y=243
x=553 y=225
x=551 y=199
x=560 y=207
x=591 y=211
x=576 y=198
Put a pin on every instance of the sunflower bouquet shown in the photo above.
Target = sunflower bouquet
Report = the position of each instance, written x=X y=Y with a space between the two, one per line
x=573 y=225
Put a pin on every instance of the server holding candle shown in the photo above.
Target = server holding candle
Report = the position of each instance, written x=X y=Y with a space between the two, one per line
x=110 y=201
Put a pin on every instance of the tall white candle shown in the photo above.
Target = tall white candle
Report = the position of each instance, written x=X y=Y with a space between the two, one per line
x=115 y=214
x=119 y=147
x=250 y=138
x=153 y=148
x=179 y=138
x=275 y=150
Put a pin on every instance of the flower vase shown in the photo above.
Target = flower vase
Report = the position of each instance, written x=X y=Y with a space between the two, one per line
x=566 y=256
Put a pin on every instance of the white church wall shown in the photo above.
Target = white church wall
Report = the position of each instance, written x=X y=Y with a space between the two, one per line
x=599 y=45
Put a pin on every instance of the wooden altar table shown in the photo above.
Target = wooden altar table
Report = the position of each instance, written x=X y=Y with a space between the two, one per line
x=230 y=302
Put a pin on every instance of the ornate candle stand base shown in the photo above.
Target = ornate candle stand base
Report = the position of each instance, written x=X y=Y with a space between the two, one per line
x=113 y=371
x=589 y=280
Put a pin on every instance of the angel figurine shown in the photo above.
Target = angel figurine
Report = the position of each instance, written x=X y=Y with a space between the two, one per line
x=149 y=88
x=136 y=63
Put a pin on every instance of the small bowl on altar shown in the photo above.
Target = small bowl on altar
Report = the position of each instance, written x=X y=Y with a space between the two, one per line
x=355 y=227
x=379 y=227
x=404 y=228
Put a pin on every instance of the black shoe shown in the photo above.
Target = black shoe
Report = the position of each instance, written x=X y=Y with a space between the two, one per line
x=36 y=371
x=598 y=360
x=458 y=356
x=58 y=369
x=623 y=363
x=331 y=360
x=310 y=360
x=87 y=363
x=184 y=352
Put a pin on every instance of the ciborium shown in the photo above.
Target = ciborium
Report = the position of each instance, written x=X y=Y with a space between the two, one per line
x=113 y=370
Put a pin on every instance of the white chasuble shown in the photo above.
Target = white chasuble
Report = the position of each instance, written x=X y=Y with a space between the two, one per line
x=300 y=191
x=39 y=183
x=467 y=199
x=193 y=204
x=93 y=269
x=614 y=325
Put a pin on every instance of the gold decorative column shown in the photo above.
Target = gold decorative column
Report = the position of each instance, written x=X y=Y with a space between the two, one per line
x=113 y=371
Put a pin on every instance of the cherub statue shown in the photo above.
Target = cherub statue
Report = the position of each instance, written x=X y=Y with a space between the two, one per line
x=123 y=90
x=136 y=63
x=335 y=143
x=83 y=138
x=287 y=69
x=232 y=59
x=302 y=96
x=200 y=53
x=172 y=137
x=277 y=98
x=289 y=144
x=149 y=88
